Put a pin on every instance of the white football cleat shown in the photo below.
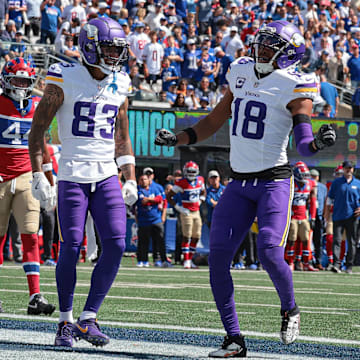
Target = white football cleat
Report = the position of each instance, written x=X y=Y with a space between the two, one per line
x=187 y=264
x=290 y=325
x=232 y=347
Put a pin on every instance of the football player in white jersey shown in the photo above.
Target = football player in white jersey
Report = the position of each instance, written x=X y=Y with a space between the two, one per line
x=266 y=99
x=90 y=103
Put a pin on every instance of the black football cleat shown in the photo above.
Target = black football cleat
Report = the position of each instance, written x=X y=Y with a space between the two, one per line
x=39 y=305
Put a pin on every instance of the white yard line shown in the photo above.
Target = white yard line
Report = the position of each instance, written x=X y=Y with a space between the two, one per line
x=128 y=285
x=189 y=328
x=317 y=309
x=119 y=349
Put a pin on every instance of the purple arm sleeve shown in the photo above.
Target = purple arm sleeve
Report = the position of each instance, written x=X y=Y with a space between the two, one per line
x=303 y=138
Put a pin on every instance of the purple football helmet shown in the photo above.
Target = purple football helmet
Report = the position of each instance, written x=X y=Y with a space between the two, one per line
x=103 y=44
x=284 y=39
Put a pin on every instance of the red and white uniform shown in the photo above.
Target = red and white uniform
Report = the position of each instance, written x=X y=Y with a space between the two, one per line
x=14 y=130
x=300 y=201
x=190 y=192
x=137 y=44
x=54 y=151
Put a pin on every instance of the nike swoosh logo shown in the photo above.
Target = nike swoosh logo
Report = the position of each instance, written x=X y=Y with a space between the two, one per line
x=84 y=331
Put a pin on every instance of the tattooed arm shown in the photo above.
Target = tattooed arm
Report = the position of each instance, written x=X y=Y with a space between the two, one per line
x=44 y=114
x=123 y=147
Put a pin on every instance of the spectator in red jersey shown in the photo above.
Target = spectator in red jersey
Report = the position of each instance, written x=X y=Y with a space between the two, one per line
x=250 y=30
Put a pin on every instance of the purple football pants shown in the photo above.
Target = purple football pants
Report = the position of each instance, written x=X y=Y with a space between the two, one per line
x=107 y=208
x=271 y=202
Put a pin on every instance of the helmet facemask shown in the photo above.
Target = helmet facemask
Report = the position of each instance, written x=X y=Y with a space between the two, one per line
x=191 y=174
x=264 y=43
x=108 y=49
x=18 y=86
x=301 y=174
x=191 y=170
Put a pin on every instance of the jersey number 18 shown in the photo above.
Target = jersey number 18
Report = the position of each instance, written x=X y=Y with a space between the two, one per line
x=254 y=115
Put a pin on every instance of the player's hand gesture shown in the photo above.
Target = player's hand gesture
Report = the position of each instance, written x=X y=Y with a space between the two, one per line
x=325 y=137
x=165 y=138
x=130 y=192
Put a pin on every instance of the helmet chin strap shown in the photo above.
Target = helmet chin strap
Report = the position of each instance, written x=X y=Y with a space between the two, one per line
x=268 y=67
x=264 y=68
x=14 y=94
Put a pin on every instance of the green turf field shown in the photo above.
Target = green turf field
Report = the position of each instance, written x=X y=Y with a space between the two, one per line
x=181 y=300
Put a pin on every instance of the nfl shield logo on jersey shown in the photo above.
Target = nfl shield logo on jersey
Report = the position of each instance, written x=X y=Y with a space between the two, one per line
x=240 y=82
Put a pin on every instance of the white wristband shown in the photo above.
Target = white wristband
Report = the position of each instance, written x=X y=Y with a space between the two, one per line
x=47 y=167
x=125 y=159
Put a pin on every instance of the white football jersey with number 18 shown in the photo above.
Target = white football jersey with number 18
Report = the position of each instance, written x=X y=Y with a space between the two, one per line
x=86 y=121
x=261 y=122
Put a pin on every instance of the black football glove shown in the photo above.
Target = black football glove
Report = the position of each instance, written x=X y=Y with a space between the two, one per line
x=325 y=137
x=165 y=138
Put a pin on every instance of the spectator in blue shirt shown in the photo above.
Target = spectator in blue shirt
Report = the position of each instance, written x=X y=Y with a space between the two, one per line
x=70 y=49
x=16 y=7
x=329 y=93
x=180 y=37
x=50 y=18
x=213 y=193
x=206 y=65
x=159 y=248
x=354 y=66
x=189 y=66
x=148 y=215
x=225 y=61
x=171 y=94
x=17 y=49
x=318 y=226
x=103 y=9
x=174 y=54
x=204 y=103
x=172 y=16
x=180 y=6
x=203 y=16
x=344 y=194
x=355 y=103
x=168 y=74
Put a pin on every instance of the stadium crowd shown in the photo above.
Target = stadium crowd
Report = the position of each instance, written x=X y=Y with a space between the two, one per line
x=180 y=51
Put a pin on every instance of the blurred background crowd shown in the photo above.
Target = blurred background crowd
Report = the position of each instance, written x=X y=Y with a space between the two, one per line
x=167 y=227
x=180 y=51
